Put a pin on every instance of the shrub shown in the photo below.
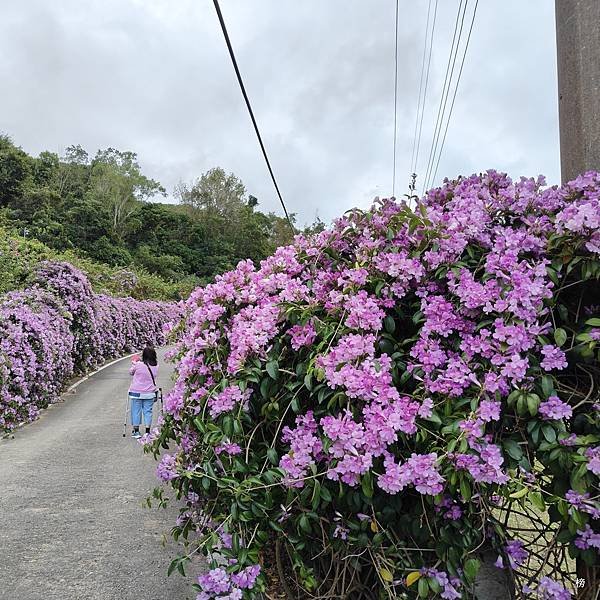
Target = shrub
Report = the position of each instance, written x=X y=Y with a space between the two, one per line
x=21 y=256
x=375 y=404
x=58 y=326
x=36 y=347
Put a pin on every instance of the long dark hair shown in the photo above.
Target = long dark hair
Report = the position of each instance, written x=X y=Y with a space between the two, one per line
x=149 y=356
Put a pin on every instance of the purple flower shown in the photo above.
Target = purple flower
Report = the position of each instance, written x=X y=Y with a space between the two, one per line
x=228 y=448
x=489 y=410
x=341 y=532
x=302 y=335
x=485 y=468
x=216 y=581
x=363 y=312
x=593 y=454
x=246 y=578
x=516 y=554
x=167 y=468
x=570 y=440
x=548 y=589
x=554 y=358
x=419 y=470
x=227 y=400
x=587 y=538
x=554 y=409
x=426 y=408
x=450 y=586
x=305 y=446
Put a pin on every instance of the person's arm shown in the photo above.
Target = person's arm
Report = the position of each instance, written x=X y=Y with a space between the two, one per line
x=132 y=368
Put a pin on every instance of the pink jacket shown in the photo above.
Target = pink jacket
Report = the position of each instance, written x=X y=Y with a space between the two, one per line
x=142 y=381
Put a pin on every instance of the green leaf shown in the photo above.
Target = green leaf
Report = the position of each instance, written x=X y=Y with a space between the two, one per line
x=264 y=387
x=595 y=322
x=308 y=382
x=417 y=317
x=513 y=449
x=589 y=556
x=564 y=537
x=472 y=568
x=316 y=497
x=553 y=275
x=536 y=499
x=272 y=368
x=547 y=386
x=304 y=523
x=173 y=565
x=516 y=495
x=325 y=494
x=366 y=483
x=533 y=402
x=549 y=433
x=434 y=418
x=423 y=588
x=560 y=336
x=272 y=456
x=389 y=324
x=513 y=397
x=465 y=489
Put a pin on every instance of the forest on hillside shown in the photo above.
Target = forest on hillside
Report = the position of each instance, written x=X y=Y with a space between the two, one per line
x=104 y=209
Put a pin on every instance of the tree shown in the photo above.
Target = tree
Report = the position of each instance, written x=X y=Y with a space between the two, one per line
x=215 y=194
x=15 y=170
x=117 y=182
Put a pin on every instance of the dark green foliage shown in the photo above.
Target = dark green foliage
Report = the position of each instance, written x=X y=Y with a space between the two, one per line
x=103 y=208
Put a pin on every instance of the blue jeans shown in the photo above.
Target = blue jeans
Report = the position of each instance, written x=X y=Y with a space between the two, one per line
x=137 y=406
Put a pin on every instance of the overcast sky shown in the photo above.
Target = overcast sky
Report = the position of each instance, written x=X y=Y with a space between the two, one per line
x=154 y=77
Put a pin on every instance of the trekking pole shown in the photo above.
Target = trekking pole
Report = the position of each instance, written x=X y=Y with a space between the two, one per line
x=126 y=413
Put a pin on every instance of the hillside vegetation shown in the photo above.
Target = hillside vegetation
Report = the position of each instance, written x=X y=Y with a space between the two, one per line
x=103 y=209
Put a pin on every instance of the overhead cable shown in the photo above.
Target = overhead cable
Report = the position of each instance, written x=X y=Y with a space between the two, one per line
x=395 y=103
x=243 y=89
x=445 y=88
x=462 y=64
x=423 y=92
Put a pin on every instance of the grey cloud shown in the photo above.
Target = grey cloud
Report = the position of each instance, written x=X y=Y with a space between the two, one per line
x=155 y=78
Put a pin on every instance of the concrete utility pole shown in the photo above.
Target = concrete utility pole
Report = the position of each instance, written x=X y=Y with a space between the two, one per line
x=578 y=48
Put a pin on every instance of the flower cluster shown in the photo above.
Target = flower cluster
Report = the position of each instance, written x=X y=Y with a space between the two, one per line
x=554 y=409
x=219 y=584
x=548 y=589
x=515 y=553
x=397 y=379
x=450 y=586
x=56 y=327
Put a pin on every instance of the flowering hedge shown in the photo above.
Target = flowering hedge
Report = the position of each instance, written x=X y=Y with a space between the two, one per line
x=373 y=406
x=56 y=327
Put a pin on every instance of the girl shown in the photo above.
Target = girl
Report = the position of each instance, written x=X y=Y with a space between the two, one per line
x=142 y=391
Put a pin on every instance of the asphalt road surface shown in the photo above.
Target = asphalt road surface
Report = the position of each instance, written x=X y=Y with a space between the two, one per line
x=72 y=524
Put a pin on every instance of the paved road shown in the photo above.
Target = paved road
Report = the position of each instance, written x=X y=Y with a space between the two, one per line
x=72 y=525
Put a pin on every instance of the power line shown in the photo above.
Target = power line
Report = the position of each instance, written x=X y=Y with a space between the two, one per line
x=445 y=89
x=395 y=104
x=462 y=64
x=239 y=78
x=421 y=104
